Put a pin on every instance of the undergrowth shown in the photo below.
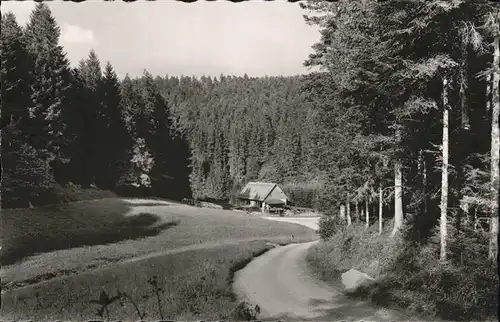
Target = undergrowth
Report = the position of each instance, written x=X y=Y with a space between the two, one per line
x=409 y=274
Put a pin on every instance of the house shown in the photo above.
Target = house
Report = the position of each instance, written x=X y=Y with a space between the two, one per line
x=263 y=195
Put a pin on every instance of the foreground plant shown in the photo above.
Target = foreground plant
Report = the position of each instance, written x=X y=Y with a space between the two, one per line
x=104 y=300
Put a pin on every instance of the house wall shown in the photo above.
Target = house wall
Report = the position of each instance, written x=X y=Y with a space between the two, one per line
x=255 y=203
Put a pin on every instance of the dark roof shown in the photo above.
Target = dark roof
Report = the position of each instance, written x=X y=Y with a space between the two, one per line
x=257 y=190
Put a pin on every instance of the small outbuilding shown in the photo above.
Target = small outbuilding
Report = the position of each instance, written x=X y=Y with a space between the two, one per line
x=263 y=195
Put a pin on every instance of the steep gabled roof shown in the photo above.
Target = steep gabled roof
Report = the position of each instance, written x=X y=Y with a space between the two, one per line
x=257 y=190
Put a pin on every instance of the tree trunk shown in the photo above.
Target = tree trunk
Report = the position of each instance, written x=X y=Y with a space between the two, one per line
x=495 y=146
x=424 y=183
x=342 y=211
x=348 y=211
x=462 y=135
x=380 y=206
x=488 y=92
x=1 y=165
x=367 y=213
x=444 y=174
x=398 y=198
x=463 y=97
x=357 y=211
x=464 y=206
x=422 y=174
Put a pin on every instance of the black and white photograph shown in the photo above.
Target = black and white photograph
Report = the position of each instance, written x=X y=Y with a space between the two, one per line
x=255 y=160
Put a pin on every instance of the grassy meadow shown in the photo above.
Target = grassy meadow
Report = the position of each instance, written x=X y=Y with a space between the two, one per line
x=192 y=251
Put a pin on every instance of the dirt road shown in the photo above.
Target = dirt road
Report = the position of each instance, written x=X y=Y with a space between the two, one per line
x=310 y=222
x=280 y=283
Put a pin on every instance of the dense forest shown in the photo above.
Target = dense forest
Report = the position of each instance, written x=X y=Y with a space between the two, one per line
x=408 y=105
x=409 y=110
x=402 y=119
x=165 y=136
x=241 y=129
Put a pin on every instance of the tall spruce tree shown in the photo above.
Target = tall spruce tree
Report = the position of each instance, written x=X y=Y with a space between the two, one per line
x=16 y=72
x=158 y=137
x=116 y=141
x=24 y=173
x=95 y=122
x=49 y=87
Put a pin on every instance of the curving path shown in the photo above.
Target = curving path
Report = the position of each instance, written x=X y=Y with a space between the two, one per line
x=310 y=222
x=280 y=283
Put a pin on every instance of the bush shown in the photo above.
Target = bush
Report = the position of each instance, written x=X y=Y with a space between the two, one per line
x=55 y=194
x=303 y=194
x=26 y=174
x=330 y=225
x=246 y=312
x=464 y=288
x=70 y=192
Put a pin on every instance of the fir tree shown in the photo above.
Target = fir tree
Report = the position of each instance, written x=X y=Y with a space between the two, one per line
x=49 y=87
x=116 y=141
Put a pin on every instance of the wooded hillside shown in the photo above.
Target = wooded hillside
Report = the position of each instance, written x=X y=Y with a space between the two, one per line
x=166 y=136
x=402 y=119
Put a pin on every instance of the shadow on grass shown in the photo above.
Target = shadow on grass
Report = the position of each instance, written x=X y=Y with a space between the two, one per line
x=69 y=236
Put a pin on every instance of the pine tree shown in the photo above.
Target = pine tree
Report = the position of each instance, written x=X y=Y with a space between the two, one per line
x=93 y=132
x=15 y=154
x=16 y=72
x=159 y=137
x=26 y=173
x=115 y=139
x=78 y=169
x=49 y=86
x=129 y=104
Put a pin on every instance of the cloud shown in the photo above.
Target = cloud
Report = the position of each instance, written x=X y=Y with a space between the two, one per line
x=22 y=10
x=72 y=34
x=170 y=37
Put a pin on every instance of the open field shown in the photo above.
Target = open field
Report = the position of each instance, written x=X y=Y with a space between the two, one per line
x=197 y=285
x=43 y=229
x=193 y=260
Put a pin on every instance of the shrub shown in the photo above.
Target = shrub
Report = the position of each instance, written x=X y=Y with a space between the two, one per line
x=26 y=174
x=303 y=194
x=70 y=192
x=464 y=288
x=329 y=225
x=246 y=312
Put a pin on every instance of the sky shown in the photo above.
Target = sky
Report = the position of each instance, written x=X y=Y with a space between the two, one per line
x=176 y=38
